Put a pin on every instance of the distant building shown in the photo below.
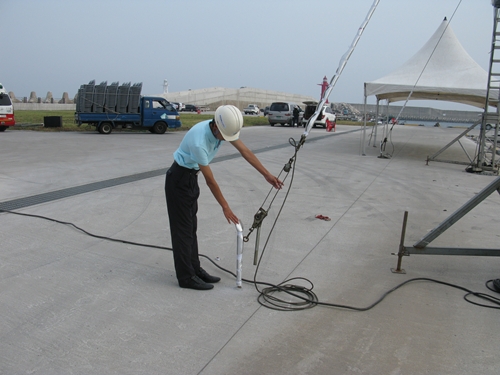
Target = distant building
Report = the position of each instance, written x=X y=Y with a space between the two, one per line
x=211 y=98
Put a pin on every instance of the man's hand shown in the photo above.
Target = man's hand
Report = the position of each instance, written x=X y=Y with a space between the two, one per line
x=230 y=216
x=214 y=188
x=250 y=157
x=277 y=183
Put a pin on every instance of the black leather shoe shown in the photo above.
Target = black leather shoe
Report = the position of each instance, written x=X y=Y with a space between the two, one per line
x=202 y=274
x=195 y=283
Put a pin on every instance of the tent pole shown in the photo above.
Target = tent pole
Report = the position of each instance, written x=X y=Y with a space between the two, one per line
x=383 y=142
x=387 y=119
x=376 y=124
x=364 y=128
x=387 y=127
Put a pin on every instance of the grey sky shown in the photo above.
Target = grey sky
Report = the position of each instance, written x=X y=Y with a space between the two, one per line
x=281 y=45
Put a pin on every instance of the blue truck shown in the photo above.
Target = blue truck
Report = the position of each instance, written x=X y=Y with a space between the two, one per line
x=108 y=107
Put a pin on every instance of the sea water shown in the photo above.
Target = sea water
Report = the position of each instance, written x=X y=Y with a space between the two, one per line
x=443 y=124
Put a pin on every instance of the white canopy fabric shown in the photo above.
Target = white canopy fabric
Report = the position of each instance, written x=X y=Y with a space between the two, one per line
x=449 y=75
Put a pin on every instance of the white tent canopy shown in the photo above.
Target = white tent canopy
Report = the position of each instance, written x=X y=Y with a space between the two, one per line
x=440 y=70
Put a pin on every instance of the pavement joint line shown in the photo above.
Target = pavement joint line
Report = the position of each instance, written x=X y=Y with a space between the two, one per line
x=18 y=203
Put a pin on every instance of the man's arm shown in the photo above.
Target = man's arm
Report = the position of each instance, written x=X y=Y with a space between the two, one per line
x=250 y=157
x=217 y=193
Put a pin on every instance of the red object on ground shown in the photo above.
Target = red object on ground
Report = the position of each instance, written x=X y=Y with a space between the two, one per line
x=321 y=217
x=331 y=125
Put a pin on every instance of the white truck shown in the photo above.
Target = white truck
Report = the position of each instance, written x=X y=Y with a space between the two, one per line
x=251 y=109
x=6 y=110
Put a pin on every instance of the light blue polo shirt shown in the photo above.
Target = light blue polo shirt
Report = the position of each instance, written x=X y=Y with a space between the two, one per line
x=198 y=147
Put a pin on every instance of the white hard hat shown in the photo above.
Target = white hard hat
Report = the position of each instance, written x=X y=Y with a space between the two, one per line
x=229 y=120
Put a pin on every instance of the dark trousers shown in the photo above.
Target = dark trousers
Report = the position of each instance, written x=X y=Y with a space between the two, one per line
x=182 y=192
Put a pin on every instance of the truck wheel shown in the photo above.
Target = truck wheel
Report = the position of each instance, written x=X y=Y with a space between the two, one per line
x=105 y=128
x=3 y=128
x=159 y=127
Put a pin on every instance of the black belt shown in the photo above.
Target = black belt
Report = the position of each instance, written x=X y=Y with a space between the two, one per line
x=186 y=170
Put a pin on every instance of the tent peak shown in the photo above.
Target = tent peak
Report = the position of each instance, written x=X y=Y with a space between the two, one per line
x=440 y=70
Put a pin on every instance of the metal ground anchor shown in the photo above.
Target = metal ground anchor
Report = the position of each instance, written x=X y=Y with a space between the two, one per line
x=402 y=250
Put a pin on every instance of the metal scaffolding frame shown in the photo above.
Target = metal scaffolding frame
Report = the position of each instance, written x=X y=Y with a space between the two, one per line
x=486 y=152
x=421 y=247
x=481 y=163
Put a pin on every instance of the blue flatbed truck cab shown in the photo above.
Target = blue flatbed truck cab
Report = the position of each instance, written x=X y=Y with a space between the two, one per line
x=109 y=107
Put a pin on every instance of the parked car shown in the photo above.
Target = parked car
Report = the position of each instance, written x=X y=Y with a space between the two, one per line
x=265 y=110
x=251 y=109
x=281 y=113
x=191 y=108
x=6 y=110
x=325 y=114
x=178 y=106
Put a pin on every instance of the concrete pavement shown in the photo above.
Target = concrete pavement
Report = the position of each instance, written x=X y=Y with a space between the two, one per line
x=75 y=304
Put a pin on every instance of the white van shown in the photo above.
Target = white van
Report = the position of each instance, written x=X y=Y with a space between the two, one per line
x=6 y=110
x=281 y=113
